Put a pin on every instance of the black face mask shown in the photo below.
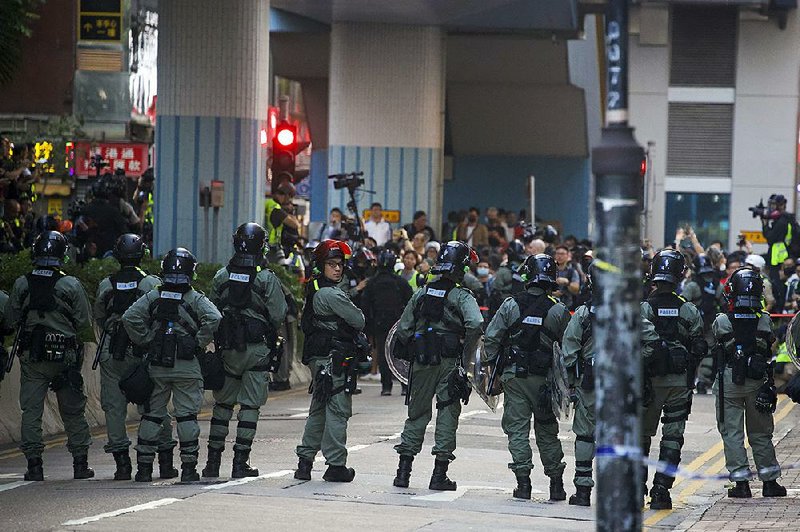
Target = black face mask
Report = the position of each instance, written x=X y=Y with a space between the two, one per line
x=788 y=272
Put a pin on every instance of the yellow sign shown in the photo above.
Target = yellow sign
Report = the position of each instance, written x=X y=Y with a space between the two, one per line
x=55 y=206
x=393 y=217
x=754 y=237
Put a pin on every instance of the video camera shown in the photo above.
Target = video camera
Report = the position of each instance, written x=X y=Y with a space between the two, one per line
x=350 y=181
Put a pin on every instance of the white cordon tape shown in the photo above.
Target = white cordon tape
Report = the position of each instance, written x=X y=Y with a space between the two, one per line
x=622 y=451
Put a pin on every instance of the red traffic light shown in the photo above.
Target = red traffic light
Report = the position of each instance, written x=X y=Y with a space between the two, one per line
x=285 y=135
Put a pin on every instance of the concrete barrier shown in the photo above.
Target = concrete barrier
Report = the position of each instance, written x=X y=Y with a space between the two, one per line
x=11 y=415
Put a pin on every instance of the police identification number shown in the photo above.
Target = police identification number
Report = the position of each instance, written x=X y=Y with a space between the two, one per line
x=171 y=295
x=240 y=277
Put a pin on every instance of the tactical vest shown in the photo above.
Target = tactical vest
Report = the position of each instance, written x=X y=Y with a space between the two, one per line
x=430 y=306
x=41 y=291
x=671 y=354
x=527 y=352
x=168 y=344
x=318 y=339
x=747 y=349
x=43 y=343
x=235 y=330
x=429 y=345
x=124 y=293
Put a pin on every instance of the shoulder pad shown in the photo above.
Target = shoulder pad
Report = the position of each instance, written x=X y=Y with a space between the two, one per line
x=467 y=290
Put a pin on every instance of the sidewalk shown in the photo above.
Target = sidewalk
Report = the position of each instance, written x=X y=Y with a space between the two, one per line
x=758 y=513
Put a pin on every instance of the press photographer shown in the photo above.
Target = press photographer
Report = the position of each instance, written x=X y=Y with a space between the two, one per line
x=779 y=227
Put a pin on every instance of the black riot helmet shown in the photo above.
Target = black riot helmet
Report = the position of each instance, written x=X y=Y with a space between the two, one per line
x=745 y=288
x=540 y=270
x=130 y=249
x=668 y=265
x=49 y=249
x=515 y=251
x=453 y=258
x=178 y=266
x=387 y=259
x=702 y=264
x=250 y=239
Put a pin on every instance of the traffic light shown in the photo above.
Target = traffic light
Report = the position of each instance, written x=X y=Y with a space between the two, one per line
x=284 y=149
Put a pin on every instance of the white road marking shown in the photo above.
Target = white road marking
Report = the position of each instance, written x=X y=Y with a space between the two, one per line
x=301 y=414
x=465 y=415
x=138 y=508
x=355 y=448
x=10 y=475
x=240 y=481
x=17 y=484
x=450 y=496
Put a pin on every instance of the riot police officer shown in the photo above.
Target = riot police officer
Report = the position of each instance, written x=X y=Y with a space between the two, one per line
x=253 y=307
x=331 y=324
x=53 y=310
x=383 y=301
x=174 y=321
x=578 y=351
x=745 y=390
x=704 y=291
x=520 y=340
x=118 y=356
x=670 y=368
x=440 y=323
x=508 y=279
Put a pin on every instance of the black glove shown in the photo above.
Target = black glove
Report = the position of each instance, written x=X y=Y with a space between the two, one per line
x=793 y=388
x=766 y=399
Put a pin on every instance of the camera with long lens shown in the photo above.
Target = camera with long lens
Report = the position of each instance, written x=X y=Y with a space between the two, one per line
x=350 y=181
x=765 y=212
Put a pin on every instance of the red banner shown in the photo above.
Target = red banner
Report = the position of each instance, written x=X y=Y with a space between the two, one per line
x=130 y=156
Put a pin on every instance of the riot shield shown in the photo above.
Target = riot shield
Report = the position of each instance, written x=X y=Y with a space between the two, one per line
x=398 y=366
x=559 y=385
x=792 y=340
x=479 y=377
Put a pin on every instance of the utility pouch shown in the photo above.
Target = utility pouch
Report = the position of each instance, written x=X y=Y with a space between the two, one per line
x=165 y=347
x=35 y=344
x=137 y=386
x=349 y=369
x=587 y=383
x=450 y=345
x=119 y=343
x=55 y=346
x=255 y=330
x=757 y=367
x=317 y=344
x=213 y=369
x=660 y=362
x=338 y=362
x=739 y=369
x=520 y=360
x=187 y=348
x=428 y=348
x=539 y=362
x=322 y=386
x=678 y=360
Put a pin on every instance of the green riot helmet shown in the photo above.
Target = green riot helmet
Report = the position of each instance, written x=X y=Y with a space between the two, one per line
x=668 y=265
x=129 y=249
x=250 y=239
x=178 y=267
x=49 y=249
x=453 y=258
x=540 y=270
x=515 y=251
x=745 y=288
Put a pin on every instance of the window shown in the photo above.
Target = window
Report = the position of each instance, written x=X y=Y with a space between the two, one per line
x=707 y=214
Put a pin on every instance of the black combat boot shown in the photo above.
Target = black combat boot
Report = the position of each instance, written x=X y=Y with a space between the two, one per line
x=582 y=497
x=35 y=470
x=165 y=467
x=771 y=488
x=523 y=489
x=241 y=468
x=304 y=468
x=439 y=480
x=660 y=498
x=557 y=492
x=339 y=474
x=211 y=470
x=144 y=472
x=80 y=467
x=189 y=472
x=403 y=471
x=124 y=466
x=741 y=490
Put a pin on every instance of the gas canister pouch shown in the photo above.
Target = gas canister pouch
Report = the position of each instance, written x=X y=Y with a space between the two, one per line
x=55 y=346
x=757 y=367
x=660 y=362
x=530 y=362
x=187 y=347
x=164 y=348
x=322 y=386
x=428 y=348
x=519 y=359
x=678 y=360
x=739 y=368
x=317 y=344
x=587 y=382
x=450 y=345
x=255 y=330
x=232 y=333
x=120 y=342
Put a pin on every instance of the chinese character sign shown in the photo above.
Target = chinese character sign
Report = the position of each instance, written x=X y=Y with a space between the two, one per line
x=132 y=158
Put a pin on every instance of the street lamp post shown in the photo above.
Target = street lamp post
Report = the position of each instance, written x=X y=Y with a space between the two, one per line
x=616 y=165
